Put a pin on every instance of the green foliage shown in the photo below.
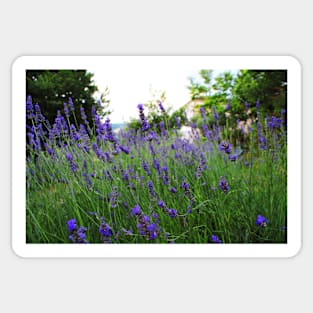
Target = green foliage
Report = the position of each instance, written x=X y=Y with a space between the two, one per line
x=267 y=86
x=201 y=89
x=51 y=88
x=155 y=115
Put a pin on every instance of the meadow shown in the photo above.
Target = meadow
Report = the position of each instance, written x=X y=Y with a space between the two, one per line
x=88 y=184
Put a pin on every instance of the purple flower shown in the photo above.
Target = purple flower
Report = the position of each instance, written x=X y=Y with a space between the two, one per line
x=215 y=239
x=186 y=186
x=69 y=157
x=113 y=197
x=105 y=230
x=223 y=185
x=146 y=168
x=71 y=104
x=161 y=204
x=66 y=110
x=165 y=177
x=83 y=115
x=76 y=235
x=262 y=142
x=227 y=108
x=273 y=122
x=145 y=125
x=71 y=162
x=261 y=221
x=177 y=121
x=108 y=132
x=151 y=188
x=124 y=149
x=232 y=157
x=71 y=224
x=225 y=147
x=136 y=210
x=140 y=107
x=257 y=105
x=161 y=107
x=173 y=190
x=215 y=114
x=152 y=227
x=202 y=111
x=29 y=107
x=172 y=213
x=156 y=217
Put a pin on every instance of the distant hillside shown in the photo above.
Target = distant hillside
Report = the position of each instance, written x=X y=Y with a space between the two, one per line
x=117 y=125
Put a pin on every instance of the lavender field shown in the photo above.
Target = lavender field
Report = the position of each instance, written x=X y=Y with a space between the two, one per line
x=86 y=183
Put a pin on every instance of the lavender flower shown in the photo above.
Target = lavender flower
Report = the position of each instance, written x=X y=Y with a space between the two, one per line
x=106 y=231
x=161 y=204
x=177 y=121
x=261 y=221
x=257 y=105
x=71 y=162
x=77 y=235
x=83 y=115
x=146 y=168
x=157 y=166
x=223 y=185
x=202 y=165
x=71 y=224
x=165 y=178
x=161 y=107
x=215 y=239
x=225 y=147
x=151 y=188
x=108 y=131
x=172 y=213
x=232 y=157
x=113 y=197
x=124 y=149
x=202 y=111
x=86 y=176
x=228 y=107
x=215 y=114
x=66 y=110
x=136 y=210
x=273 y=123
x=29 y=107
x=144 y=122
x=71 y=104
x=150 y=230
x=145 y=126
x=173 y=190
x=262 y=142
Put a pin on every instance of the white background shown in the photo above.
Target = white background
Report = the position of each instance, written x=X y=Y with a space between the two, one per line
x=158 y=27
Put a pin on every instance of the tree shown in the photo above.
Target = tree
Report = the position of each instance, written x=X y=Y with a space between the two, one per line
x=200 y=89
x=267 y=86
x=52 y=88
x=213 y=91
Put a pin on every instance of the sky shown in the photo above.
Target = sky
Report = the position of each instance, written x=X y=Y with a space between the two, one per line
x=128 y=88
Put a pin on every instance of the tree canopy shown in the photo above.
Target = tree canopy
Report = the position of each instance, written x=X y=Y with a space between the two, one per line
x=52 y=88
x=241 y=90
x=269 y=87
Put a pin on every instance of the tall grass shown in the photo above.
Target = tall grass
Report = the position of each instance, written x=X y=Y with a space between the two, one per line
x=89 y=184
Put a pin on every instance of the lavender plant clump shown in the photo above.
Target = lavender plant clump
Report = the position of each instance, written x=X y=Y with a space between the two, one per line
x=153 y=184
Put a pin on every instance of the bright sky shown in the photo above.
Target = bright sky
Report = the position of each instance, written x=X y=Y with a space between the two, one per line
x=129 y=88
